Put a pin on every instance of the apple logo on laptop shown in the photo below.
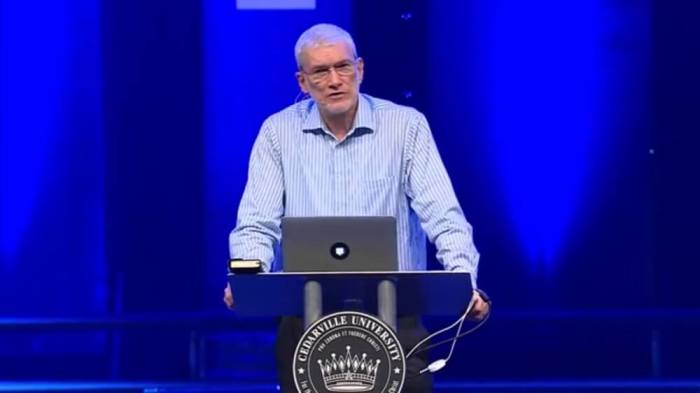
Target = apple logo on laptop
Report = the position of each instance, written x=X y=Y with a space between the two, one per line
x=340 y=251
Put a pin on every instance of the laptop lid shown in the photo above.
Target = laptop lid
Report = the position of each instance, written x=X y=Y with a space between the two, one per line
x=339 y=244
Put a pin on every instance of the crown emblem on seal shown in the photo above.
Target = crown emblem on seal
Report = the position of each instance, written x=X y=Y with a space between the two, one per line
x=349 y=373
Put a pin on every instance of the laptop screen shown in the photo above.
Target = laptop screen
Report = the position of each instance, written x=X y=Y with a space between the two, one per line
x=339 y=244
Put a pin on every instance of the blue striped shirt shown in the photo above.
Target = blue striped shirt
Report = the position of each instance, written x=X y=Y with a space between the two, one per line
x=387 y=165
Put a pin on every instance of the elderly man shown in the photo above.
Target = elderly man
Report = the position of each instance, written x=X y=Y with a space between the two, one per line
x=342 y=153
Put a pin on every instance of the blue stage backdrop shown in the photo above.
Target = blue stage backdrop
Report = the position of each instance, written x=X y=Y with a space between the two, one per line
x=542 y=113
x=52 y=174
x=52 y=160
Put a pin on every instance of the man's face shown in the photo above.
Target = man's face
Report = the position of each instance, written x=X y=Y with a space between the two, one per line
x=332 y=76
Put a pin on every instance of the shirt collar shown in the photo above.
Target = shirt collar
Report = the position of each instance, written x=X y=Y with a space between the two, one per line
x=364 y=122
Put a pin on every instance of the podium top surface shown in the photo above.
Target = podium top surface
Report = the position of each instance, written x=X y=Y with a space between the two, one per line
x=417 y=292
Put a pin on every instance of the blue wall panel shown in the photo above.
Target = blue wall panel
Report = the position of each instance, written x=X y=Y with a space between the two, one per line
x=52 y=238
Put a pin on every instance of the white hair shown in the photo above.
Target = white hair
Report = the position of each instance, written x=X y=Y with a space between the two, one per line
x=320 y=35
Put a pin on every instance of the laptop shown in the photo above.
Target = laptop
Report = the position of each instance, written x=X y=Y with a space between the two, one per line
x=339 y=244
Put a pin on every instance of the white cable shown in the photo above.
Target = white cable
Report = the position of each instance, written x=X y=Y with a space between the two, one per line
x=471 y=330
x=440 y=363
x=458 y=321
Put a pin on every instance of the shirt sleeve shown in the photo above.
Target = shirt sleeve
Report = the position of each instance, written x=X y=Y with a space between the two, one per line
x=257 y=233
x=432 y=197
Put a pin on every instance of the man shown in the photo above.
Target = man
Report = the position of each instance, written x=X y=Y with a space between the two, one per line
x=342 y=153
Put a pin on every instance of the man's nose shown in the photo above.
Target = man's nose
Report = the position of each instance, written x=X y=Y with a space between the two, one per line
x=334 y=78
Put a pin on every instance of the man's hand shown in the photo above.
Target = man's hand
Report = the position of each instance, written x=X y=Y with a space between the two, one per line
x=228 y=297
x=480 y=309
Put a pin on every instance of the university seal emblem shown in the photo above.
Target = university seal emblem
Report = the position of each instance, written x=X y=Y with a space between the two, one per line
x=349 y=352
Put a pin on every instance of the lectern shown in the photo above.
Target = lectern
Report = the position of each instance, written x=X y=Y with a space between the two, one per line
x=345 y=347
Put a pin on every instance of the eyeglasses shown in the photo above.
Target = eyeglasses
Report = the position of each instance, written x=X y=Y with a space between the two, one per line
x=344 y=69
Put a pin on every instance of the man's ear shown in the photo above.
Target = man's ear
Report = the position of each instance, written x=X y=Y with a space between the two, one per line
x=301 y=80
x=360 y=69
